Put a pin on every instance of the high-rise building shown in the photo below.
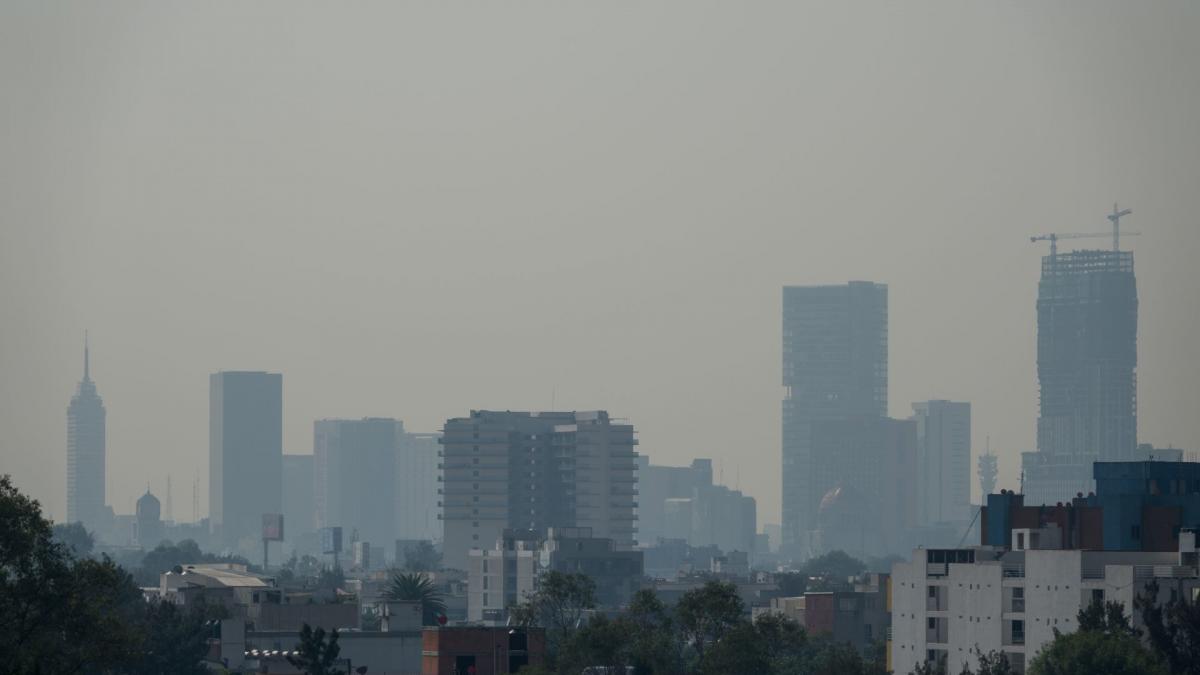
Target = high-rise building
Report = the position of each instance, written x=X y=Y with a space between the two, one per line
x=535 y=470
x=148 y=528
x=1087 y=359
x=865 y=470
x=835 y=367
x=943 y=461
x=299 y=504
x=354 y=469
x=86 y=453
x=245 y=454
x=417 y=511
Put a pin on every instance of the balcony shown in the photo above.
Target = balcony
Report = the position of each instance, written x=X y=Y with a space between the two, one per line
x=1013 y=571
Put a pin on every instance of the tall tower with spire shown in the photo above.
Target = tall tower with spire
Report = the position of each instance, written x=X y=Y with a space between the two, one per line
x=86 y=452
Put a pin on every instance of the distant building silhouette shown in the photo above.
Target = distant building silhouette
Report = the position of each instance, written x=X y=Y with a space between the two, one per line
x=245 y=444
x=523 y=470
x=148 y=528
x=865 y=469
x=1087 y=357
x=86 y=454
x=299 y=503
x=681 y=502
x=354 y=469
x=835 y=367
x=417 y=513
x=943 y=461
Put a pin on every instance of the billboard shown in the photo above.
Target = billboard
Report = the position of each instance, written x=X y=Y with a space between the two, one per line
x=331 y=540
x=272 y=527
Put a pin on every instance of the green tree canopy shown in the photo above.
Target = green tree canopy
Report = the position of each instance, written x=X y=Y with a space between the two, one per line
x=318 y=655
x=416 y=587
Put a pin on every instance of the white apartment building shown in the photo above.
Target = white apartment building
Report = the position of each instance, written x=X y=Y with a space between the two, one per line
x=947 y=602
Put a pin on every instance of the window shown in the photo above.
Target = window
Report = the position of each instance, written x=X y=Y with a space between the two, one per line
x=485 y=600
x=485 y=564
x=485 y=585
x=933 y=591
x=931 y=623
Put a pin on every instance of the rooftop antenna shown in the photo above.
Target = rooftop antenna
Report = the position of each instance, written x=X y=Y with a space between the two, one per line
x=86 y=368
x=1115 y=217
x=167 y=515
x=196 y=499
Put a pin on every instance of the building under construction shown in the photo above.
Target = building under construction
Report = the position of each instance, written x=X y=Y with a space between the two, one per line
x=1087 y=360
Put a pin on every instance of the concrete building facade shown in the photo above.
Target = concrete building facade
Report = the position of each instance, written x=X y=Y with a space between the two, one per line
x=522 y=470
x=943 y=462
x=835 y=366
x=1087 y=311
x=354 y=474
x=948 y=602
x=505 y=575
x=245 y=451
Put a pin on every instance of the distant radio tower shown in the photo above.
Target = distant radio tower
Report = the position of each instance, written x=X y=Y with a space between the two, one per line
x=988 y=470
x=167 y=511
x=196 y=499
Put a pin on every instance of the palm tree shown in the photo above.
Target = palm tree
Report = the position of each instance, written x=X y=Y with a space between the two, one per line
x=416 y=587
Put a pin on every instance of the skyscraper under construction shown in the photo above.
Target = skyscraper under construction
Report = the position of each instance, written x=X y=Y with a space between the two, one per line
x=1087 y=360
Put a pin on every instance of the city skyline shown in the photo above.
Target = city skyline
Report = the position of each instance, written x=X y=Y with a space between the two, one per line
x=642 y=246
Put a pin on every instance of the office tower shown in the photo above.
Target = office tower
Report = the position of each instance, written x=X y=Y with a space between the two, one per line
x=417 y=512
x=86 y=453
x=531 y=470
x=354 y=469
x=245 y=454
x=943 y=461
x=299 y=504
x=1087 y=357
x=865 y=471
x=835 y=366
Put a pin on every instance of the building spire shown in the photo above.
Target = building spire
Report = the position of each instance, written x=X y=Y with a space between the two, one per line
x=85 y=355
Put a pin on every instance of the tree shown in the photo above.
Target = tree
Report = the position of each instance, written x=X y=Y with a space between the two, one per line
x=75 y=537
x=1095 y=653
x=422 y=557
x=60 y=614
x=317 y=656
x=707 y=613
x=830 y=571
x=1105 y=644
x=176 y=641
x=1172 y=630
x=1106 y=617
x=415 y=587
x=559 y=602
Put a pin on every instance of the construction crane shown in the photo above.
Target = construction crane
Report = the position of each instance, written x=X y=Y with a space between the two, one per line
x=1115 y=217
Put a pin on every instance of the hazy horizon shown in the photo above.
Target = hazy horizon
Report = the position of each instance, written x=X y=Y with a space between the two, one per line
x=416 y=211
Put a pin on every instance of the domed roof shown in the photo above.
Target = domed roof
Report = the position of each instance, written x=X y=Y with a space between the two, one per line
x=148 y=506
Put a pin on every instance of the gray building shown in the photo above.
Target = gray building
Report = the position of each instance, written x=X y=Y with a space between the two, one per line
x=943 y=462
x=683 y=503
x=299 y=504
x=865 y=471
x=1087 y=359
x=417 y=513
x=535 y=470
x=835 y=367
x=354 y=473
x=86 y=454
x=502 y=576
x=245 y=451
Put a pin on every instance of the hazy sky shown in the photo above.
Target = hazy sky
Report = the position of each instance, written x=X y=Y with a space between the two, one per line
x=415 y=210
